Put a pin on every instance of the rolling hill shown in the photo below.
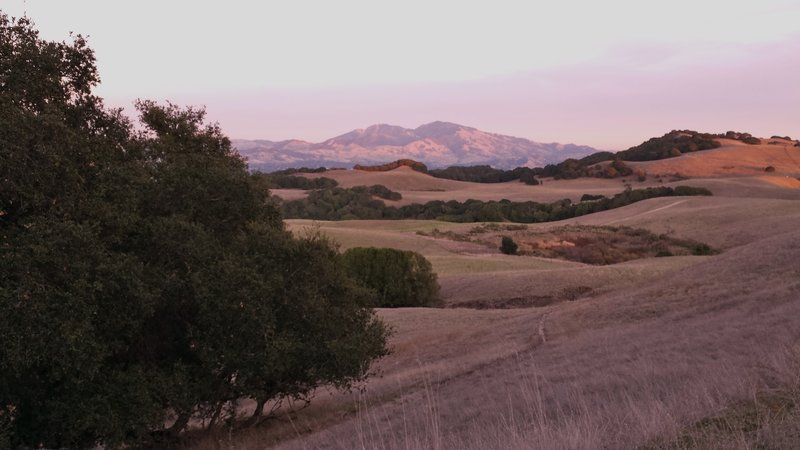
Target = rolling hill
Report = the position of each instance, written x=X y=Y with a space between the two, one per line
x=437 y=144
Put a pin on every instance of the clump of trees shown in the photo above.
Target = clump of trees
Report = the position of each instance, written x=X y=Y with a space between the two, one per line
x=145 y=277
x=416 y=165
x=747 y=138
x=486 y=174
x=293 y=170
x=399 y=278
x=381 y=191
x=508 y=246
x=285 y=181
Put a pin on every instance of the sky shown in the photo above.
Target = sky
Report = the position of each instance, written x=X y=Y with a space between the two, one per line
x=609 y=74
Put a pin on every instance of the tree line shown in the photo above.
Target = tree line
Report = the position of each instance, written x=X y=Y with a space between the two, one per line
x=350 y=204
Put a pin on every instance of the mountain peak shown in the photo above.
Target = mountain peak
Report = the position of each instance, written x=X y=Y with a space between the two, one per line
x=437 y=144
x=439 y=128
x=378 y=134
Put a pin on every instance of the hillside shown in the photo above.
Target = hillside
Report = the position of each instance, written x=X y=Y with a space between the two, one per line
x=437 y=144
x=733 y=169
x=654 y=345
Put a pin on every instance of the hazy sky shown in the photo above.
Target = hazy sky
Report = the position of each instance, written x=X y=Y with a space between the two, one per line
x=606 y=73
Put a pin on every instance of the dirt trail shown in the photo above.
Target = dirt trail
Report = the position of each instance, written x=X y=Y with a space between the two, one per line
x=541 y=328
x=646 y=212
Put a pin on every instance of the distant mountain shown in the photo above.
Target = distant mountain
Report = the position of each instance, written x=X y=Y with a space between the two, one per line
x=437 y=144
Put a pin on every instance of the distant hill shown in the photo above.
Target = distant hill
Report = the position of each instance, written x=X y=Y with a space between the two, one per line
x=437 y=144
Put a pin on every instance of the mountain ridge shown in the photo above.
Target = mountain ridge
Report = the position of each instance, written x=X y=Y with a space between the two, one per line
x=438 y=144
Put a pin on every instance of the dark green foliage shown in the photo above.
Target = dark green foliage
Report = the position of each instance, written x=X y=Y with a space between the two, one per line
x=686 y=191
x=623 y=170
x=508 y=246
x=598 y=157
x=416 y=165
x=293 y=171
x=684 y=141
x=591 y=197
x=486 y=174
x=145 y=278
x=381 y=191
x=400 y=278
x=350 y=204
x=702 y=249
x=283 y=181
x=747 y=138
x=339 y=204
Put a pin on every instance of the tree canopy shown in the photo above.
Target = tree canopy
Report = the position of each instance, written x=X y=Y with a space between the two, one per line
x=400 y=278
x=146 y=278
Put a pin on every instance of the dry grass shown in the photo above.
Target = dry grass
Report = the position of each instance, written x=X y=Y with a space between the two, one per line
x=734 y=158
x=679 y=352
x=615 y=372
x=417 y=187
x=599 y=245
x=735 y=169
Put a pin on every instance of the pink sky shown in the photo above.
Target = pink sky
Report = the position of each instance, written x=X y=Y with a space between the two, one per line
x=629 y=98
x=608 y=74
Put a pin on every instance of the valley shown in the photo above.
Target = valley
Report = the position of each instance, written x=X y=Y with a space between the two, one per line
x=540 y=352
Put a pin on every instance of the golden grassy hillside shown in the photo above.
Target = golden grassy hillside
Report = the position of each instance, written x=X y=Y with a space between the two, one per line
x=670 y=352
x=733 y=158
x=735 y=169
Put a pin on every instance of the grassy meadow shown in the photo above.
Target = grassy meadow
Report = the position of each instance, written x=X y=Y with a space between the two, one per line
x=532 y=352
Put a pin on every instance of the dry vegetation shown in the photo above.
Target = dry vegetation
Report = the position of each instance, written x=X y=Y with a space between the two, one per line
x=652 y=353
x=598 y=245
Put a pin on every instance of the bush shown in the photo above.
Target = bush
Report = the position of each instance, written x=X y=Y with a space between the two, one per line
x=400 y=278
x=591 y=197
x=702 y=250
x=508 y=246
x=381 y=191
x=769 y=169
x=683 y=191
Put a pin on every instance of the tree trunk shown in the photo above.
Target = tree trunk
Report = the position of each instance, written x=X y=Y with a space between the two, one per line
x=180 y=424
x=258 y=413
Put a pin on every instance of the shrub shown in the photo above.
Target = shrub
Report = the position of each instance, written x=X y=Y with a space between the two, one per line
x=400 y=278
x=591 y=197
x=702 y=249
x=769 y=169
x=508 y=246
x=381 y=191
x=681 y=191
